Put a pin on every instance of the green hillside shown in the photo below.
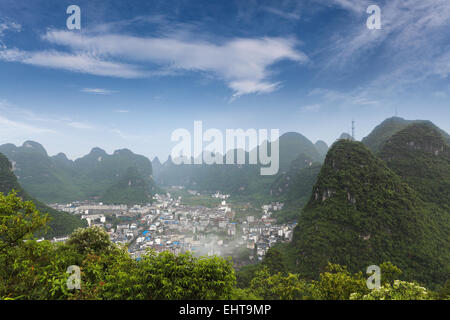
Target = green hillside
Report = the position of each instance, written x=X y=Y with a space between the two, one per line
x=297 y=190
x=362 y=213
x=376 y=139
x=98 y=171
x=421 y=157
x=61 y=223
x=130 y=189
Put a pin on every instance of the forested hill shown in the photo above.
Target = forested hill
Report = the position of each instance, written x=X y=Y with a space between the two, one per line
x=61 y=223
x=362 y=213
x=58 y=179
x=385 y=130
x=131 y=189
x=421 y=156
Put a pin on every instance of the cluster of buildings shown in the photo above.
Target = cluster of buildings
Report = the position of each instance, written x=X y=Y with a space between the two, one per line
x=168 y=225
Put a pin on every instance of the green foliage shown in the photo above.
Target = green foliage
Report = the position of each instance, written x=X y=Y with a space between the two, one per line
x=296 y=187
x=18 y=221
x=389 y=127
x=399 y=290
x=130 y=189
x=337 y=283
x=168 y=276
x=92 y=240
x=274 y=261
x=37 y=270
x=279 y=286
x=421 y=157
x=61 y=223
x=362 y=213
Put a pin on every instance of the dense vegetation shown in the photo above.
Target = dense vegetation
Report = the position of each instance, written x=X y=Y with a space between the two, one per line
x=359 y=208
x=420 y=155
x=385 y=130
x=39 y=270
x=294 y=187
x=61 y=223
x=362 y=213
x=130 y=189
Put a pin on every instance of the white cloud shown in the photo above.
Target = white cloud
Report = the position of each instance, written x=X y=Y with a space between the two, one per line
x=413 y=40
x=76 y=62
x=11 y=129
x=311 y=108
x=97 y=91
x=79 y=125
x=7 y=25
x=357 y=6
x=280 y=13
x=131 y=136
x=243 y=63
x=357 y=97
x=122 y=111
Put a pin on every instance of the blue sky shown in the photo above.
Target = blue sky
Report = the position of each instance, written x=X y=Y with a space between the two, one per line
x=138 y=70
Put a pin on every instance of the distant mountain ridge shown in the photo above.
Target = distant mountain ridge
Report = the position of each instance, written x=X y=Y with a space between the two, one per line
x=58 y=179
x=421 y=156
x=242 y=179
x=381 y=133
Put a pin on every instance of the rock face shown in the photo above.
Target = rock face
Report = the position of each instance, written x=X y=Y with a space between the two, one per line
x=362 y=213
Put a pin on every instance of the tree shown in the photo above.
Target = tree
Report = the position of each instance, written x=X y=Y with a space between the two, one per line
x=279 y=286
x=338 y=284
x=19 y=220
x=274 y=261
x=94 y=240
x=399 y=290
x=168 y=276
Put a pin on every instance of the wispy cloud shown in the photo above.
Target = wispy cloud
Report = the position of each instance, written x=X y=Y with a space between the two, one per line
x=356 y=6
x=7 y=25
x=413 y=41
x=311 y=108
x=357 y=97
x=130 y=136
x=122 y=111
x=10 y=127
x=81 y=62
x=242 y=63
x=282 y=14
x=97 y=91
x=37 y=123
x=79 y=125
